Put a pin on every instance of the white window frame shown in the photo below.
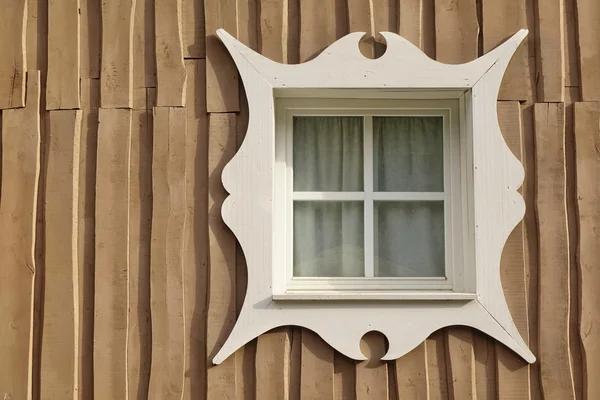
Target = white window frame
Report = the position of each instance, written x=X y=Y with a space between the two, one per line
x=253 y=215
x=459 y=269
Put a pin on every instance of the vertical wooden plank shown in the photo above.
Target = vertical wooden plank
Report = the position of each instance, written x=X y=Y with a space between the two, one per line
x=316 y=380
x=170 y=71
x=436 y=366
x=513 y=372
x=456 y=31
x=90 y=100
x=193 y=28
x=18 y=212
x=196 y=246
x=320 y=26
x=13 y=26
x=587 y=142
x=248 y=23
x=411 y=374
x=501 y=19
x=273 y=30
x=139 y=346
x=411 y=21
x=144 y=49
x=59 y=376
x=37 y=35
x=385 y=19
x=90 y=22
x=554 y=358
x=272 y=359
x=62 y=86
x=166 y=257
x=116 y=75
x=222 y=93
x=296 y=363
x=344 y=377
x=372 y=374
x=221 y=379
x=461 y=363
x=485 y=367
x=112 y=254
x=588 y=19
x=570 y=47
x=550 y=57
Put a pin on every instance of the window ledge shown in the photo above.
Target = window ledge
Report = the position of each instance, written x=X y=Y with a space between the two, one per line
x=338 y=295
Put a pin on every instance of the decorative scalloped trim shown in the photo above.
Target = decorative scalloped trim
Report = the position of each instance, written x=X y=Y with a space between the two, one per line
x=248 y=211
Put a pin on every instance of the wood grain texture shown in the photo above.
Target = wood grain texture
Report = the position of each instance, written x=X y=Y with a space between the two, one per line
x=170 y=70
x=344 y=377
x=411 y=374
x=273 y=30
x=18 y=213
x=90 y=35
x=90 y=101
x=360 y=18
x=272 y=360
x=501 y=19
x=59 y=376
x=551 y=61
x=112 y=253
x=571 y=52
x=485 y=366
x=554 y=358
x=588 y=18
x=37 y=35
x=456 y=31
x=144 y=48
x=13 y=27
x=62 y=85
x=322 y=22
x=139 y=332
x=372 y=374
x=196 y=246
x=248 y=22
x=222 y=93
x=166 y=267
x=460 y=363
x=316 y=373
x=587 y=142
x=193 y=28
x=411 y=21
x=221 y=379
x=116 y=75
x=513 y=372
x=436 y=366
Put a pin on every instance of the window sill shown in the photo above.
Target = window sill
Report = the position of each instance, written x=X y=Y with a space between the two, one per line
x=338 y=295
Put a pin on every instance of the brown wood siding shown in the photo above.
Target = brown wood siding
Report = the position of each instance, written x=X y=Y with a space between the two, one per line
x=118 y=278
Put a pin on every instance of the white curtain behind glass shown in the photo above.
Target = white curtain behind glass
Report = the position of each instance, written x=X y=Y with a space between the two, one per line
x=328 y=157
x=329 y=236
x=409 y=157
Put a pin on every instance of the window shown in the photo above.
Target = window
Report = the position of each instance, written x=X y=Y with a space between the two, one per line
x=347 y=144
x=373 y=197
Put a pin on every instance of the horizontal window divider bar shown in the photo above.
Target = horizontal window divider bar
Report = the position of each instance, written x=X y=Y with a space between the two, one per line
x=360 y=196
x=328 y=196
x=408 y=196
x=363 y=279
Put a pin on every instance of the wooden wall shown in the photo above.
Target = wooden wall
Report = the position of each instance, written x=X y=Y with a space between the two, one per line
x=118 y=278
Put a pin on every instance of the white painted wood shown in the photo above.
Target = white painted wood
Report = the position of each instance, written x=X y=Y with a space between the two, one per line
x=493 y=174
x=376 y=295
x=456 y=270
x=368 y=203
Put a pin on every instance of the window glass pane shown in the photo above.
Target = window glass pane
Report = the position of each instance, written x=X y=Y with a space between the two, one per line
x=409 y=238
x=328 y=238
x=328 y=154
x=408 y=154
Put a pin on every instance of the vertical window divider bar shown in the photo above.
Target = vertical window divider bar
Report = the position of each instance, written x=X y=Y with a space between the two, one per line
x=368 y=202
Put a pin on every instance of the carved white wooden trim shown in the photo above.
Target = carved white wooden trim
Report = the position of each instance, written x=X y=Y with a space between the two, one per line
x=497 y=206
